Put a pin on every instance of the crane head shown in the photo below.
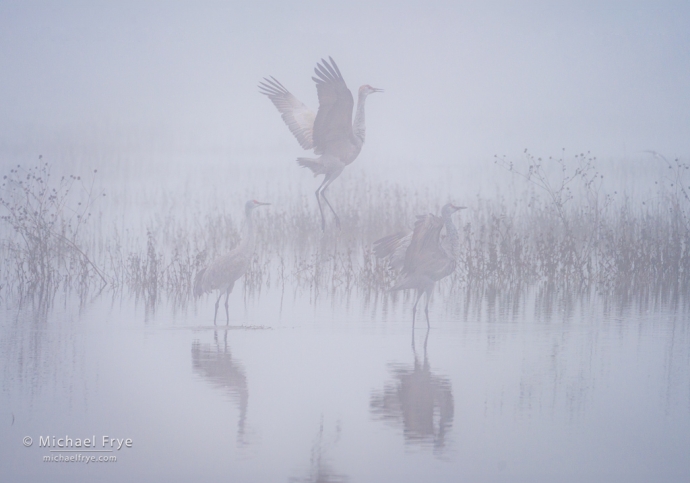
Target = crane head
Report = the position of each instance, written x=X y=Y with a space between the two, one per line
x=450 y=208
x=251 y=204
x=366 y=89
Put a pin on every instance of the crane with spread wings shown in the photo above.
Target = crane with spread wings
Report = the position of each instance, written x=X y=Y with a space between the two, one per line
x=422 y=256
x=331 y=132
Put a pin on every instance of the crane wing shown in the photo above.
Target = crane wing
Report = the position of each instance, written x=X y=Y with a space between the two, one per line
x=333 y=124
x=393 y=247
x=222 y=272
x=298 y=117
x=425 y=255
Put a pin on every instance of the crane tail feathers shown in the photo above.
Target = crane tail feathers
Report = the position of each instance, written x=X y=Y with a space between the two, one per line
x=314 y=165
x=199 y=283
x=404 y=284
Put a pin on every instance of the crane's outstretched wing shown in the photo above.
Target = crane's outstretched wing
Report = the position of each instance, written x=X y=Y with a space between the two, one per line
x=425 y=256
x=298 y=117
x=393 y=248
x=333 y=124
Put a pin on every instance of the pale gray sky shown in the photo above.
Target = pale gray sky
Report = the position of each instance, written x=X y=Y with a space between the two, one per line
x=463 y=80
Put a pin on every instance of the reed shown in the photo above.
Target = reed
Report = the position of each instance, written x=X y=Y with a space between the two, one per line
x=561 y=230
x=44 y=224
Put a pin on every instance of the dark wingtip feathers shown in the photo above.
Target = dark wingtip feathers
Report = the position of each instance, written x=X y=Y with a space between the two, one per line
x=327 y=72
x=335 y=66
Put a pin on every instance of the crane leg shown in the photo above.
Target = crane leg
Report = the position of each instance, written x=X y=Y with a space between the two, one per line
x=426 y=339
x=318 y=200
x=215 y=314
x=414 y=307
x=227 y=314
x=323 y=195
x=426 y=308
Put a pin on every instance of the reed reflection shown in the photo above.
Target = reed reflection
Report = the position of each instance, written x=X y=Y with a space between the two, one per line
x=418 y=399
x=320 y=469
x=214 y=363
x=41 y=352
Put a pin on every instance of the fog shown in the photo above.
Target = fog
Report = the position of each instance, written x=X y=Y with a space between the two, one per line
x=536 y=152
x=463 y=81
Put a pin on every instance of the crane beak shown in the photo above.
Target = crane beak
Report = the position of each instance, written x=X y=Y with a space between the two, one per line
x=377 y=90
x=261 y=204
x=459 y=207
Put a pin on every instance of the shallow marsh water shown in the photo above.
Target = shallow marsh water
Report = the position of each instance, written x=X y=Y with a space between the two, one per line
x=147 y=125
x=319 y=375
x=531 y=386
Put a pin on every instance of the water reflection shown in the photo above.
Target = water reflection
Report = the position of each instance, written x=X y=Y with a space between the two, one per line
x=419 y=399
x=39 y=351
x=320 y=470
x=548 y=302
x=214 y=363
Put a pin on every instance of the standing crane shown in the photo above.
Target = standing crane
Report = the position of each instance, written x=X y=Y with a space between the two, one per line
x=422 y=256
x=331 y=133
x=222 y=273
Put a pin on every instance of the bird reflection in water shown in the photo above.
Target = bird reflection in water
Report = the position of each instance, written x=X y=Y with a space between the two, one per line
x=421 y=400
x=216 y=365
x=320 y=471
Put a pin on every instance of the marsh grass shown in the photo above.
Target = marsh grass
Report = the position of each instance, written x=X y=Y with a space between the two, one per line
x=46 y=219
x=561 y=229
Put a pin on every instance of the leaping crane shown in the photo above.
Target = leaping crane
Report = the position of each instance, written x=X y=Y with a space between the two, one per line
x=331 y=133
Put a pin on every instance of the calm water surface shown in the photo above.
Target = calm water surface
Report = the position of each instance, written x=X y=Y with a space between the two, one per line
x=315 y=389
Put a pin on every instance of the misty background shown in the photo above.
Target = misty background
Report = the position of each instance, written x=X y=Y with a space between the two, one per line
x=176 y=81
x=558 y=346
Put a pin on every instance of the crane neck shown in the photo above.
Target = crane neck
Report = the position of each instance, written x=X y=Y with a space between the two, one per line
x=247 y=242
x=451 y=233
x=358 y=127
